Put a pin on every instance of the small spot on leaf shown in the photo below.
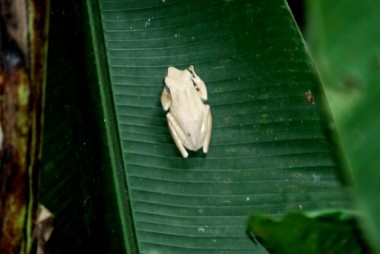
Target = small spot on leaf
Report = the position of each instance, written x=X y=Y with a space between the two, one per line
x=309 y=97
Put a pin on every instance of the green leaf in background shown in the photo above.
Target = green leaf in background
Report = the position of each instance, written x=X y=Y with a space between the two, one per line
x=324 y=232
x=344 y=40
x=112 y=174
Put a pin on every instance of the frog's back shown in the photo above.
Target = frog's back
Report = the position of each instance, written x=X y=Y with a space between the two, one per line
x=190 y=111
x=187 y=107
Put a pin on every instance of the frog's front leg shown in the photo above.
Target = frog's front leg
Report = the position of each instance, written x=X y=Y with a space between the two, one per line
x=207 y=121
x=177 y=134
x=166 y=99
x=198 y=83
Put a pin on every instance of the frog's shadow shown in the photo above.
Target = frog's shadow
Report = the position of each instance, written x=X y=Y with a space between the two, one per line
x=195 y=160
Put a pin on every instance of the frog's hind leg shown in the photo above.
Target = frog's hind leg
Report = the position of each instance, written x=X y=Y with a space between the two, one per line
x=208 y=124
x=177 y=135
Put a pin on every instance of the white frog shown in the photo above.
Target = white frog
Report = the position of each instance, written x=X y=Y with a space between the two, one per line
x=189 y=118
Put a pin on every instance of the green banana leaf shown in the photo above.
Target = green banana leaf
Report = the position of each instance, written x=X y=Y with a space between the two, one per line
x=112 y=174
